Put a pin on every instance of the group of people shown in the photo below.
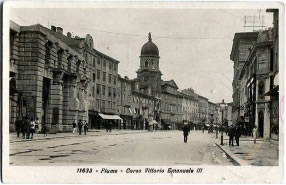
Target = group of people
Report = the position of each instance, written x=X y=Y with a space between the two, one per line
x=28 y=127
x=235 y=132
x=82 y=126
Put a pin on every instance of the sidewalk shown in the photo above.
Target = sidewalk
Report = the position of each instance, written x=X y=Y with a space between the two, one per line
x=263 y=153
x=13 y=136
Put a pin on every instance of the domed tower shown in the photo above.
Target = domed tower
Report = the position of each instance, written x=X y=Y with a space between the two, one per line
x=149 y=74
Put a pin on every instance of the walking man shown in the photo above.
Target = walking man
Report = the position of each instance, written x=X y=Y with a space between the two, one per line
x=231 y=134
x=74 y=127
x=79 y=127
x=237 y=134
x=186 y=131
x=32 y=128
x=85 y=127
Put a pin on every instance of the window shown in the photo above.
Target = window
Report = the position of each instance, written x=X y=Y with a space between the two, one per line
x=98 y=74
x=114 y=80
x=69 y=63
x=103 y=104
x=60 y=57
x=114 y=93
x=93 y=62
x=103 y=90
x=104 y=63
x=97 y=104
x=109 y=78
x=115 y=67
x=98 y=89
x=109 y=91
x=93 y=77
x=98 y=61
x=110 y=65
x=104 y=76
x=77 y=66
x=48 y=52
x=109 y=104
x=146 y=64
x=114 y=105
x=92 y=91
x=261 y=90
x=86 y=57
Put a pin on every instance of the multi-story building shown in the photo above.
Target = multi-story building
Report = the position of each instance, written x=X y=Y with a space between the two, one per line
x=48 y=78
x=211 y=112
x=242 y=43
x=203 y=109
x=274 y=78
x=190 y=107
x=258 y=84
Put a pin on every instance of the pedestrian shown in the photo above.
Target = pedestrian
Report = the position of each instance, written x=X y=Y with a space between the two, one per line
x=28 y=126
x=37 y=125
x=230 y=135
x=74 y=127
x=18 y=124
x=24 y=127
x=186 y=131
x=44 y=130
x=32 y=128
x=85 y=127
x=254 y=132
x=110 y=126
x=237 y=134
x=79 y=126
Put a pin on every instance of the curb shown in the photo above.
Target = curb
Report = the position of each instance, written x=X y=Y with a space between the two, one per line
x=68 y=136
x=235 y=160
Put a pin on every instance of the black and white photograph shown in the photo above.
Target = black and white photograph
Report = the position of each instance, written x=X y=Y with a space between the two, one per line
x=151 y=92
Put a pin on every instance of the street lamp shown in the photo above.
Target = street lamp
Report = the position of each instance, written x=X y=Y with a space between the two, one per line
x=222 y=105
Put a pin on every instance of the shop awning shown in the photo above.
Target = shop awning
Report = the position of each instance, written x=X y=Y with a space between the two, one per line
x=105 y=116
x=167 y=121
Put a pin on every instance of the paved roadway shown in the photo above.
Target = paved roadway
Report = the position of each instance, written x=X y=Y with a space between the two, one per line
x=149 y=148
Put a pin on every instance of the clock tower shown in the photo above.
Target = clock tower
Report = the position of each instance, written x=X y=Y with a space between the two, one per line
x=149 y=74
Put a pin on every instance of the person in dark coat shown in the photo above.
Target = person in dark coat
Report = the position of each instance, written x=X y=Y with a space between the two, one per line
x=25 y=127
x=85 y=127
x=80 y=126
x=237 y=134
x=45 y=129
x=18 y=124
x=231 y=135
x=186 y=131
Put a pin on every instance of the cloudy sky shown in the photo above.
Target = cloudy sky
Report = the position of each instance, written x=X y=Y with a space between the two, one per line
x=194 y=44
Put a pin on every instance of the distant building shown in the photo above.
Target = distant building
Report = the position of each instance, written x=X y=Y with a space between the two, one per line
x=203 y=109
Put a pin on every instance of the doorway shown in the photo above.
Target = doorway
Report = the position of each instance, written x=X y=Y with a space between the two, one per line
x=261 y=123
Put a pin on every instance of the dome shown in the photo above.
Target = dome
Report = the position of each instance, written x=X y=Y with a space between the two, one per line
x=149 y=48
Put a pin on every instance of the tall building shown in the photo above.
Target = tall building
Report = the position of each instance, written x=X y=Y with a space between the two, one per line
x=242 y=43
x=273 y=92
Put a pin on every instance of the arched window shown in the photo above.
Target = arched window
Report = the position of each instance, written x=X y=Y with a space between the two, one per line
x=261 y=90
x=146 y=64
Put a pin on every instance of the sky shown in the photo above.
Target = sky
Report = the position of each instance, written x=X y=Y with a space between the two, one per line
x=194 y=44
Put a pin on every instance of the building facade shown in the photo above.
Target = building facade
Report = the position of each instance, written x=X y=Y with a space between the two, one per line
x=48 y=79
x=242 y=43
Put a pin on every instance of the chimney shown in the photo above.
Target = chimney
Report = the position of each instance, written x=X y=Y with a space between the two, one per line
x=69 y=34
x=53 y=28
x=60 y=30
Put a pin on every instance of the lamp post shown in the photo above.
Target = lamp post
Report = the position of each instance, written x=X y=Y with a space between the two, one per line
x=222 y=105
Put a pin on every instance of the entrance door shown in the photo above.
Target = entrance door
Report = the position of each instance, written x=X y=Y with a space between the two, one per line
x=261 y=123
